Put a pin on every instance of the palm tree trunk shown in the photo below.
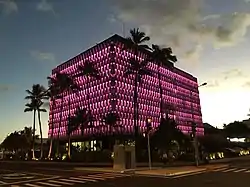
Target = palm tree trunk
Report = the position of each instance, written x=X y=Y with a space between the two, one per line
x=69 y=146
x=160 y=87
x=90 y=115
x=59 y=128
x=52 y=128
x=87 y=84
x=136 y=118
x=41 y=133
x=33 y=143
x=135 y=107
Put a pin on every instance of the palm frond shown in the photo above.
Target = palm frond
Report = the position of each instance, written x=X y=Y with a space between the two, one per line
x=42 y=110
x=29 y=92
x=28 y=109
x=145 y=39
x=29 y=97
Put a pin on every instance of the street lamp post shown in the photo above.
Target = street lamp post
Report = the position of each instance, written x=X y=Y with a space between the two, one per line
x=196 y=154
x=149 y=128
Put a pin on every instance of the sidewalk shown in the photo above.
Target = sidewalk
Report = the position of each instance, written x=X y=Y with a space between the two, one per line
x=157 y=171
x=173 y=171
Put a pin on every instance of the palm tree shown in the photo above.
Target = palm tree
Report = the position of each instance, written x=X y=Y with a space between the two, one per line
x=163 y=57
x=63 y=83
x=80 y=119
x=83 y=119
x=72 y=126
x=111 y=119
x=53 y=94
x=35 y=106
x=137 y=40
x=89 y=71
x=138 y=69
x=36 y=96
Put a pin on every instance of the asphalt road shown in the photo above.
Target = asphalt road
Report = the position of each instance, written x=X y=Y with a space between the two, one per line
x=56 y=175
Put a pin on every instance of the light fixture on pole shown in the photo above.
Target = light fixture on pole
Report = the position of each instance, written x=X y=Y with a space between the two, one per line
x=203 y=84
x=194 y=125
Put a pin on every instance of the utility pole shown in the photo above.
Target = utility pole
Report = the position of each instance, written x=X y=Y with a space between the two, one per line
x=194 y=125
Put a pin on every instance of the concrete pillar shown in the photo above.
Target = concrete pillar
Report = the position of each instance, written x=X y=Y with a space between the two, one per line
x=119 y=158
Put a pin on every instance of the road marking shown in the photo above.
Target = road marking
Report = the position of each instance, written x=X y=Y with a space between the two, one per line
x=60 y=182
x=116 y=174
x=221 y=169
x=70 y=180
x=1 y=182
x=51 y=169
x=29 y=173
x=103 y=175
x=18 y=178
x=90 y=180
x=95 y=178
x=240 y=170
x=34 y=180
x=233 y=169
x=32 y=185
x=48 y=184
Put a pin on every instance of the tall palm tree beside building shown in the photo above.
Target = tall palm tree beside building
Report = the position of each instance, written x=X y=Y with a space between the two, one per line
x=162 y=57
x=138 y=70
x=52 y=93
x=35 y=106
x=89 y=71
x=36 y=96
x=64 y=83
x=135 y=67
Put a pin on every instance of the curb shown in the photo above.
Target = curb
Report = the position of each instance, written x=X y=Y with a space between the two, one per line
x=217 y=167
x=186 y=172
x=130 y=171
x=170 y=175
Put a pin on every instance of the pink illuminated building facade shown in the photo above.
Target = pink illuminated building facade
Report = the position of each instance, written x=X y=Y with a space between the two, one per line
x=114 y=92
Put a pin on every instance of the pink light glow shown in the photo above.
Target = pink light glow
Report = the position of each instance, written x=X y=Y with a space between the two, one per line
x=180 y=91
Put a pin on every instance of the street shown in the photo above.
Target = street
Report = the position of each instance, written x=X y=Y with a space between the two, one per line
x=45 y=175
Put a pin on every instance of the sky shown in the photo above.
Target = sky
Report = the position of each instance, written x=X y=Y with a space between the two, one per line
x=211 y=39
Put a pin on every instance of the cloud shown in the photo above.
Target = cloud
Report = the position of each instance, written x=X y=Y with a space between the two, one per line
x=193 y=55
x=111 y=18
x=179 y=23
x=45 y=6
x=212 y=16
x=4 y=87
x=8 y=6
x=213 y=84
x=43 y=56
x=232 y=74
x=246 y=84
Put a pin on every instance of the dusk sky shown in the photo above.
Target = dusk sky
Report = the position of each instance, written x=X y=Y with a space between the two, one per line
x=210 y=38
